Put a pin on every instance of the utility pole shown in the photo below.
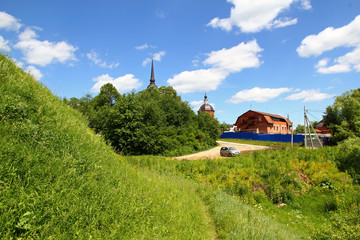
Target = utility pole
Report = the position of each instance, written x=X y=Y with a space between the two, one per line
x=305 y=127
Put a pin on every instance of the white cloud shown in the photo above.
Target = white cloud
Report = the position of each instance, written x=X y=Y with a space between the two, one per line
x=124 y=83
x=258 y=94
x=43 y=52
x=8 y=22
x=255 y=15
x=156 y=57
x=284 y=22
x=141 y=47
x=311 y=95
x=330 y=38
x=3 y=45
x=197 y=80
x=305 y=4
x=34 y=72
x=18 y=63
x=244 y=55
x=93 y=56
x=222 y=63
x=346 y=63
x=160 y=14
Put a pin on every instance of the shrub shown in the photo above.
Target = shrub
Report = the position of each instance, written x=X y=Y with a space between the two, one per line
x=348 y=158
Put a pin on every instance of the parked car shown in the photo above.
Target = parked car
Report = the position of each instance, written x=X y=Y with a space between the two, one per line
x=229 y=151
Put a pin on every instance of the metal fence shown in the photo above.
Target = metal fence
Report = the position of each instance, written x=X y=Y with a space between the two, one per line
x=263 y=136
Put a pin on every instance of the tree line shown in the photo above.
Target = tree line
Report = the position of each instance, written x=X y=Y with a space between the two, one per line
x=153 y=121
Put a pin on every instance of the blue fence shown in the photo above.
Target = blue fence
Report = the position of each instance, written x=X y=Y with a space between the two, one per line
x=263 y=136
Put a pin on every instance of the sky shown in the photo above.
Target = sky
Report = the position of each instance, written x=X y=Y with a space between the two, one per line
x=274 y=56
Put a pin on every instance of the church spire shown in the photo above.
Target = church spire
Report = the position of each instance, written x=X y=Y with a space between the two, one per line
x=152 y=78
x=205 y=99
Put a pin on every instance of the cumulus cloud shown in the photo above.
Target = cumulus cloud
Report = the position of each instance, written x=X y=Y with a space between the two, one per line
x=43 y=52
x=244 y=55
x=8 y=22
x=18 y=63
x=256 y=15
x=156 y=57
x=34 y=72
x=329 y=39
x=258 y=94
x=4 y=44
x=124 y=83
x=312 y=95
x=222 y=63
x=197 y=80
x=93 y=56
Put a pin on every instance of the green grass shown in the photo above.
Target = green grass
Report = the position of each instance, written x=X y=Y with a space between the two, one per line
x=307 y=181
x=60 y=180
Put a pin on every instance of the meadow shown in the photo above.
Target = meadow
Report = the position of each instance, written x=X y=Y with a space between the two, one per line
x=300 y=188
x=61 y=180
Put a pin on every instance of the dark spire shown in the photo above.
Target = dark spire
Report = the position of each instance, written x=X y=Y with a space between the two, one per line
x=152 y=78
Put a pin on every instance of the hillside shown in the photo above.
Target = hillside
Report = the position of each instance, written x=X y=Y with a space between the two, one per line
x=60 y=180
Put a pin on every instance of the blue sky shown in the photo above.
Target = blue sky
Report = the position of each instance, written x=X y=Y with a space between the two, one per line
x=275 y=56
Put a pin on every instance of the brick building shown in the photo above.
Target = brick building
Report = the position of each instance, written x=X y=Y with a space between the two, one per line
x=260 y=122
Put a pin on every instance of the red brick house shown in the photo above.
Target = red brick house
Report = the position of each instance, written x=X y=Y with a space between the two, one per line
x=321 y=128
x=260 y=122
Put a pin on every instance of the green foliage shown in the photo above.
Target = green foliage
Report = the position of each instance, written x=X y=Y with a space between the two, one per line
x=153 y=121
x=306 y=183
x=59 y=180
x=343 y=117
x=349 y=159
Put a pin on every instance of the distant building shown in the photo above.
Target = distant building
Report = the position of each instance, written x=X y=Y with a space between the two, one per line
x=206 y=107
x=321 y=128
x=260 y=122
x=152 y=78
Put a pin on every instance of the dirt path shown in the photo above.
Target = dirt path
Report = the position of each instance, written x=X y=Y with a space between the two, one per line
x=215 y=152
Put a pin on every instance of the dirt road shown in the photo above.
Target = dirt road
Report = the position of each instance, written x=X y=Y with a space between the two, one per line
x=215 y=152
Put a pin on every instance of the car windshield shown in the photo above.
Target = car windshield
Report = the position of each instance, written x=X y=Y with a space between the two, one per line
x=232 y=148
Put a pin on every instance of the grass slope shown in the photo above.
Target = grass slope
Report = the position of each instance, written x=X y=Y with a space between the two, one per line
x=59 y=180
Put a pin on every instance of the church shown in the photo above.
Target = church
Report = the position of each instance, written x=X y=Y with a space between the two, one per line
x=152 y=78
x=206 y=107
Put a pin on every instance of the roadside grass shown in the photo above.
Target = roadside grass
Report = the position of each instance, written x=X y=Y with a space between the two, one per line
x=59 y=180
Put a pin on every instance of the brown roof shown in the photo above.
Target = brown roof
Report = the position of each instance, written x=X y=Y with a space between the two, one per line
x=269 y=116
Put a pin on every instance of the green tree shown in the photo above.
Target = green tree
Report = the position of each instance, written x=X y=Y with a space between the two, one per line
x=343 y=117
x=153 y=121
x=107 y=97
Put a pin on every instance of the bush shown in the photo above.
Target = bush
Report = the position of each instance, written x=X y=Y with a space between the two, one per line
x=348 y=158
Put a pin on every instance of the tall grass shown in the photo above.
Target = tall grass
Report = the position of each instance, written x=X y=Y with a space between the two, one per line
x=300 y=188
x=60 y=180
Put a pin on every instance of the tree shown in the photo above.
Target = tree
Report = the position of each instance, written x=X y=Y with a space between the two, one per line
x=299 y=129
x=153 y=121
x=343 y=117
x=107 y=97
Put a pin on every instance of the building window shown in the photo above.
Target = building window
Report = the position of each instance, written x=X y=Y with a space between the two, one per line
x=259 y=119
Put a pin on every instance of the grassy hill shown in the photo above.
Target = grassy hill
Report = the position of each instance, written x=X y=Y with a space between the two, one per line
x=60 y=180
